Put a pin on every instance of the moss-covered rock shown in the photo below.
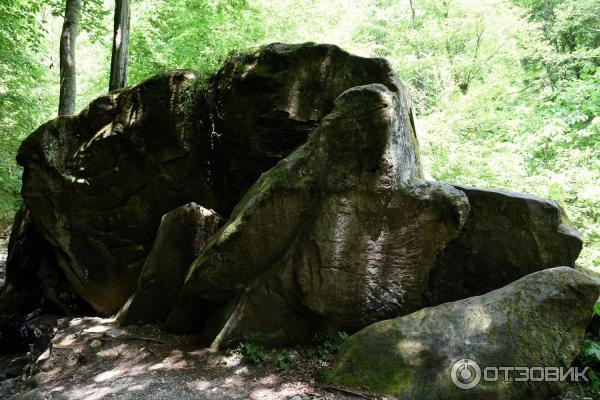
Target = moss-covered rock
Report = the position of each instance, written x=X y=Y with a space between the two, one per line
x=537 y=321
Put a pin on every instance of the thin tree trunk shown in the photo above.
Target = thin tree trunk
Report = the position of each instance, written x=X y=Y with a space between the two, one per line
x=413 y=15
x=118 y=65
x=68 y=86
x=420 y=81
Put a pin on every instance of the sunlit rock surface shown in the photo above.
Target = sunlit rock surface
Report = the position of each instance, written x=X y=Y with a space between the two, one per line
x=537 y=321
x=267 y=101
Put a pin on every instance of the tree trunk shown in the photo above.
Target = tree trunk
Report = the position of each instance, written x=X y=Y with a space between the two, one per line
x=68 y=87
x=118 y=65
x=420 y=81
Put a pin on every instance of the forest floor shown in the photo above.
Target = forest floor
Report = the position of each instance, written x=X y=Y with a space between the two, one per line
x=94 y=358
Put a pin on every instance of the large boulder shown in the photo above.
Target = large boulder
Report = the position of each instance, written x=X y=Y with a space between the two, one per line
x=340 y=234
x=182 y=234
x=97 y=184
x=33 y=280
x=538 y=321
x=34 y=285
x=506 y=236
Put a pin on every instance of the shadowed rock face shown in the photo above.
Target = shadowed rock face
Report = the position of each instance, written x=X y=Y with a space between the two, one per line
x=507 y=236
x=99 y=183
x=26 y=250
x=182 y=235
x=538 y=320
x=267 y=102
x=327 y=239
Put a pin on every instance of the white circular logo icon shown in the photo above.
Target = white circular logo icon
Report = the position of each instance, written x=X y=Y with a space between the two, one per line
x=465 y=374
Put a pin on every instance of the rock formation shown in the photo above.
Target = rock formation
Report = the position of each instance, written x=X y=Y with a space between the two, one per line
x=281 y=197
x=326 y=239
x=26 y=250
x=98 y=184
x=537 y=321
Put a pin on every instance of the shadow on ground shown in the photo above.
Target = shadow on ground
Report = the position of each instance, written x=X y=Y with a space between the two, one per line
x=93 y=358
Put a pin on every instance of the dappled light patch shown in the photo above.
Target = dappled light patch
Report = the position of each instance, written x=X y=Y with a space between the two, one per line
x=146 y=363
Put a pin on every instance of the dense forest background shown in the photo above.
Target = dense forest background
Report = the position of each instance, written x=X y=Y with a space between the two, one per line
x=507 y=92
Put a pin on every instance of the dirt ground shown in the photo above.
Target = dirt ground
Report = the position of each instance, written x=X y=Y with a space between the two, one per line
x=93 y=358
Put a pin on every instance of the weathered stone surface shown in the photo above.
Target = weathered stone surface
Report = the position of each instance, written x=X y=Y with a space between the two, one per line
x=339 y=231
x=340 y=234
x=97 y=184
x=21 y=293
x=268 y=101
x=182 y=234
x=34 y=285
x=537 y=321
x=506 y=236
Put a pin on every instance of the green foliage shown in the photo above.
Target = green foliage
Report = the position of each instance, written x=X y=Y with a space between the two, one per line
x=21 y=103
x=197 y=34
x=93 y=16
x=253 y=352
x=591 y=352
x=284 y=359
x=324 y=347
x=589 y=357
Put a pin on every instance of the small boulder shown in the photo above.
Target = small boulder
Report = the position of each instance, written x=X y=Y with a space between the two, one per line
x=181 y=236
x=537 y=321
